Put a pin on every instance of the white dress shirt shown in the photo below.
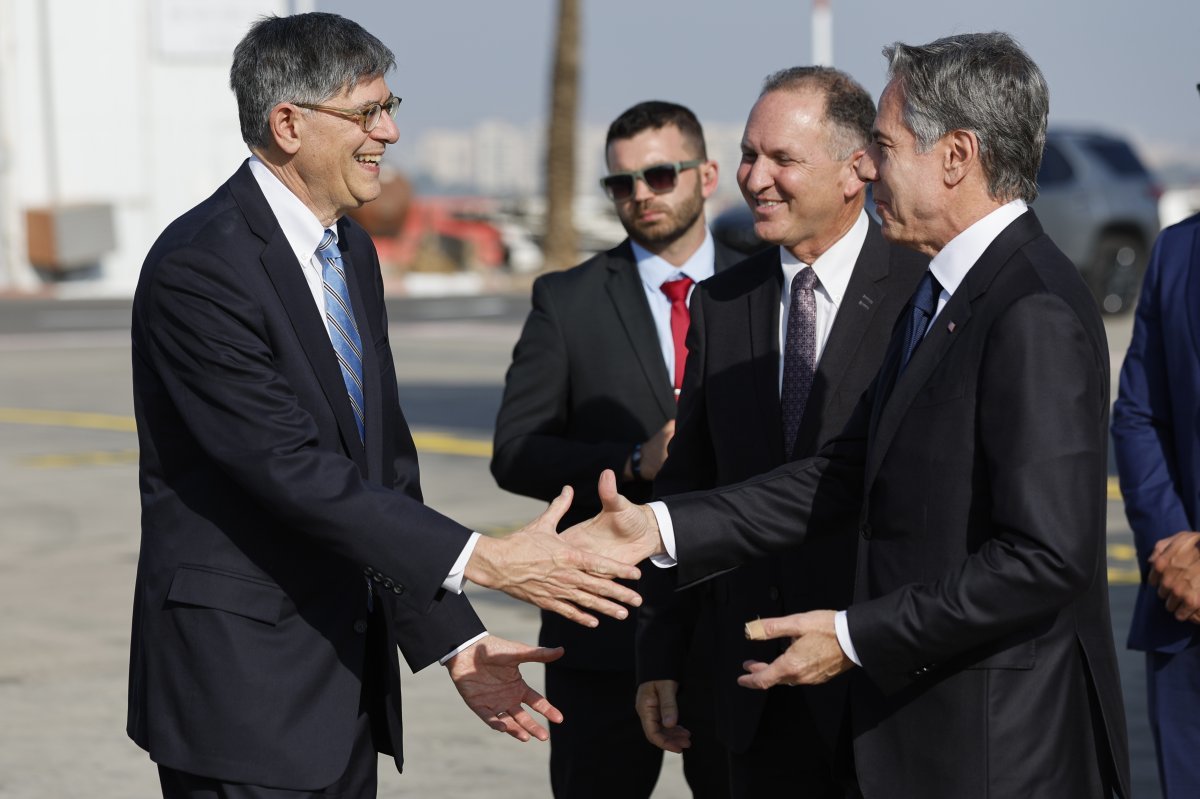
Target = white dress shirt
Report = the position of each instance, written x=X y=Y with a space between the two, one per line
x=303 y=232
x=654 y=271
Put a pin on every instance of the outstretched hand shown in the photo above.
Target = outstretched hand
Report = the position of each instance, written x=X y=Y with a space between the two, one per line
x=488 y=677
x=814 y=657
x=621 y=530
x=538 y=566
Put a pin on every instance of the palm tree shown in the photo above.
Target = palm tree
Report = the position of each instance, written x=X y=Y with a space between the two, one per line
x=559 y=246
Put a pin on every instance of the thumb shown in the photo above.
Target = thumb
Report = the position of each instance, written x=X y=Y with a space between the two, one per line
x=779 y=627
x=610 y=498
x=558 y=506
x=668 y=706
x=537 y=654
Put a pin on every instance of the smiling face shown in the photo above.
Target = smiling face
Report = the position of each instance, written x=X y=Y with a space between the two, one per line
x=661 y=221
x=337 y=162
x=908 y=184
x=802 y=198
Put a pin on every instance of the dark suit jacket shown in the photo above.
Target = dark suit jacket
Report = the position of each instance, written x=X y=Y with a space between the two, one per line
x=978 y=478
x=730 y=428
x=587 y=383
x=1155 y=426
x=262 y=510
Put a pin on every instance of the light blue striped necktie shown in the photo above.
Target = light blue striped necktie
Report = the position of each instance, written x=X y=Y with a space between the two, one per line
x=343 y=330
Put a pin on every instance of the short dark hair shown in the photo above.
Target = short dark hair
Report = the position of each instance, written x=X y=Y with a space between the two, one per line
x=984 y=83
x=303 y=58
x=849 y=109
x=655 y=114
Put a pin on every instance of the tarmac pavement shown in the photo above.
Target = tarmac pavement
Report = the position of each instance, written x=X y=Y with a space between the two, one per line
x=69 y=539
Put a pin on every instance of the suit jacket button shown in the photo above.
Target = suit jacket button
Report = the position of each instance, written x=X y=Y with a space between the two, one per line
x=773 y=593
x=388 y=583
x=367 y=570
x=397 y=589
x=360 y=626
x=866 y=531
x=377 y=577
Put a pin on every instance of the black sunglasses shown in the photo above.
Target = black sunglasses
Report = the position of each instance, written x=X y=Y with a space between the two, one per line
x=660 y=179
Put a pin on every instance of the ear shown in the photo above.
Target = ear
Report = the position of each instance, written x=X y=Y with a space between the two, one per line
x=852 y=184
x=286 y=122
x=960 y=157
x=708 y=178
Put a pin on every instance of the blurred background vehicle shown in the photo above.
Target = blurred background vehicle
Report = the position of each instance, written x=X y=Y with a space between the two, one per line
x=1095 y=199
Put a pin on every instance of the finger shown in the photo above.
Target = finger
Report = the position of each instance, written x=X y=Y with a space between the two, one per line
x=566 y=610
x=607 y=589
x=542 y=705
x=603 y=567
x=558 y=506
x=529 y=725
x=762 y=675
x=599 y=605
x=506 y=724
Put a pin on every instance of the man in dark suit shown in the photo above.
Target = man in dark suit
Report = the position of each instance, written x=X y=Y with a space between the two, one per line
x=802 y=142
x=285 y=549
x=593 y=386
x=1158 y=457
x=979 y=636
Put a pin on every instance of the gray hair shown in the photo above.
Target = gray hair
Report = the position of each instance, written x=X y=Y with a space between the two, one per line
x=305 y=58
x=849 y=110
x=984 y=83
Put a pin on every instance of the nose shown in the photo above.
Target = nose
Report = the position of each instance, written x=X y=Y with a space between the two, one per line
x=641 y=190
x=754 y=176
x=386 y=129
x=867 y=168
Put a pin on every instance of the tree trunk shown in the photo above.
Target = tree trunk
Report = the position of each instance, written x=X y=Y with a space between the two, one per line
x=559 y=246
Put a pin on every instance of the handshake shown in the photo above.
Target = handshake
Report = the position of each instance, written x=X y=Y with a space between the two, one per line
x=574 y=572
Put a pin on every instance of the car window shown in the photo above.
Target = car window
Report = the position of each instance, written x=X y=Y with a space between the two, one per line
x=1055 y=168
x=1116 y=156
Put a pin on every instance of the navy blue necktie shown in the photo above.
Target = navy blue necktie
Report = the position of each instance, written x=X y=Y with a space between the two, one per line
x=343 y=330
x=924 y=301
x=799 y=355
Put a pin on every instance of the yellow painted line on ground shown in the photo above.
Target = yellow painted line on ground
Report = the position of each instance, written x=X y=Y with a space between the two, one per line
x=1122 y=552
x=1123 y=576
x=433 y=442
x=88 y=421
x=1114 y=490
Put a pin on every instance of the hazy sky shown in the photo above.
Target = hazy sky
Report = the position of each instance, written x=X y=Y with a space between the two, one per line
x=1129 y=67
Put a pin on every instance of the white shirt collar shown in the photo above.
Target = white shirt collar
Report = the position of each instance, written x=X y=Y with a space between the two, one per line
x=951 y=265
x=655 y=271
x=300 y=226
x=835 y=265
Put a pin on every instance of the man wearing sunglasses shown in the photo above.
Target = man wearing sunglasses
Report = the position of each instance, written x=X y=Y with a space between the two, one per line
x=593 y=386
x=738 y=418
x=286 y=552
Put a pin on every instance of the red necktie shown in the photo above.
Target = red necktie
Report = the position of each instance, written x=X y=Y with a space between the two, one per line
x=677 y=293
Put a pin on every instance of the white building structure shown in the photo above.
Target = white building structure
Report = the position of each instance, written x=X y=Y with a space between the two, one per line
x=122 y=108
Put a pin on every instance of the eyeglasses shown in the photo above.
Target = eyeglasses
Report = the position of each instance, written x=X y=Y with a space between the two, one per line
x=660 y=179
x=368 y=116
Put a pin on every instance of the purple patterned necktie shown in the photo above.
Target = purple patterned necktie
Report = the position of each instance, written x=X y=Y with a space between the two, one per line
x=799 y=356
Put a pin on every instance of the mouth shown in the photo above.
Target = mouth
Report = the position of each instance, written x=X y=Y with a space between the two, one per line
x=369 y=159
x=763 y=207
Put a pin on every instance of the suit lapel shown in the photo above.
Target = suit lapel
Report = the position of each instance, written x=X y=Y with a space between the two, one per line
x=762 y=314
x=944 y=330
x=287 y=276
x=625 y=291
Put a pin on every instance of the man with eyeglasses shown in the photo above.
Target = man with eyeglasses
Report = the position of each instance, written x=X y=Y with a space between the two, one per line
x=286 y=552
x=593 y=386
x=779 y=351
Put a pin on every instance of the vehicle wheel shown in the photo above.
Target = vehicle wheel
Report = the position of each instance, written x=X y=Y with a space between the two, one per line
x=1115 y=275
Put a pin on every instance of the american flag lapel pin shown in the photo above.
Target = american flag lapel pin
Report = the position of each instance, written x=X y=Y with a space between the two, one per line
x=950 y=327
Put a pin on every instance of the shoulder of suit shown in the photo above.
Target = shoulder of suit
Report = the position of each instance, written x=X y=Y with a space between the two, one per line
x=748 y=272
x=594 y=269
x=1184 y=228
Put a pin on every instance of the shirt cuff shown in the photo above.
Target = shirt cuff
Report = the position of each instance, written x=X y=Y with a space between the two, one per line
x=458 y=573
x=841 y=626
x=460 y=648
x=666 y=531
